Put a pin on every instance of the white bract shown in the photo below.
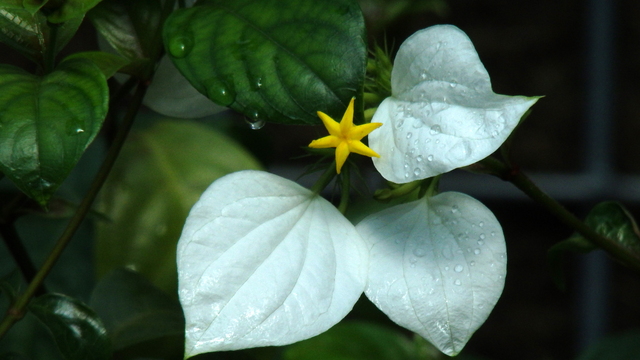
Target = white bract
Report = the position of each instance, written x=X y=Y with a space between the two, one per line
x=263 y=261
x=443 y=113
x=437 y=266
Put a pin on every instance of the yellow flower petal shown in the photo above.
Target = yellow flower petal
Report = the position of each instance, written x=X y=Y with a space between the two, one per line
x=342 y=152
x=359 y=148
x=332 y=126
x=360 y=131
x=325 y=142
x=347 y=119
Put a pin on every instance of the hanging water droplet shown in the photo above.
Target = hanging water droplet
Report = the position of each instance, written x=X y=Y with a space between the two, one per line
x=430 y=158
x=416 y=171
x=435 y=130
x=458 y=282
x=419 y=158
x=458 y=268
x=409 y=134
x=254 y=120
x=419 y=252
x=180 y=46
x=477 y=251
x=220 y=93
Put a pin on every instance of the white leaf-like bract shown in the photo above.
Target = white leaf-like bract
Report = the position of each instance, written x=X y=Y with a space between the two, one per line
x=437 y=266
x=171 y=94
x=263 y=261
x=442 y=114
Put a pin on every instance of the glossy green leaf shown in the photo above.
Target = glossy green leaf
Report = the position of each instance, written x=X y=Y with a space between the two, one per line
x=132 y=28
x=135 y=311
x=71 y=9
x=612 y=220
x=108 y=63
x=30 y=33
x=77 y=330
x=555 y=256
x=273 y=60
x=160 y=174
x=354 y=341
x=47 y=122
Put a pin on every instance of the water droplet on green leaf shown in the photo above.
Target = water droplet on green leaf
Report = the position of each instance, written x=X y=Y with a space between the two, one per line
x=180 y=46
x=220 y=93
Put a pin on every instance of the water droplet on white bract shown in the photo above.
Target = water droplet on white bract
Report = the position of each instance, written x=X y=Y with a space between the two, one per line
x=454 y=209
x=472 y=263
x=481 y=224
x=482 y=236
x=430 y=158
x=458 y=282
x=419 y=252
x=453 y=85
x=477 y=251
x=435 y=130
x=424 y=75
x=419 y=158
x=416 y=171
x=409 y=135
x=480 y=242
x=446 y=268
x=458 y=268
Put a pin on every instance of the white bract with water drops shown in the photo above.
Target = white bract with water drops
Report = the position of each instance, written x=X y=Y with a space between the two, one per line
x=437 y=266
x=263 y=261
x=443 y=113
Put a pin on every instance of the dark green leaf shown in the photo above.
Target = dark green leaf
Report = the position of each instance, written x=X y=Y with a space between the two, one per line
x=47 y=122
x=624 y=346
x=109 y=64
x=555 y=256
x=77 y=330
x=354 y=341
x=277 y=60
x=71 y=9
x=135 y=311
x=30 y=34
x=133 y=29
x=12 y=356
x=159 y=175
x=610 y=219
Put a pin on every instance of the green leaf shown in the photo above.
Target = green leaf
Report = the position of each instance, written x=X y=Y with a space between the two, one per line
x=159 y=175
x=47 y=122
x=30 y=33
x=135 y=311
x=108 y=63
x=355 y=341
x=133 y=29
x=612 y=220
x=71 y=9
x=77 y=330
x=273 y=60
x=555 y=256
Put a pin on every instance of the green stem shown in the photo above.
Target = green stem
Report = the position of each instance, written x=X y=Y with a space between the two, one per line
x=522 y=182
x=325 y=178
x=16 y=312
x=346 y=187
x=19 y=253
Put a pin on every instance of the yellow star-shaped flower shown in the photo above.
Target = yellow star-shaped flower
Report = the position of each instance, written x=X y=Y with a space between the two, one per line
x=345 y=136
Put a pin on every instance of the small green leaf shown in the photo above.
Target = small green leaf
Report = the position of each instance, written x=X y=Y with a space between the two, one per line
x=47 y=122
x=71 y=9
x=555 y=256
x=108 y=63
x=354 y=341
x=133 y=29
x=135 y=311
x=30 y=33
x=612 y=220
x=77 y=330
x=277 y=60
x=159 y=175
